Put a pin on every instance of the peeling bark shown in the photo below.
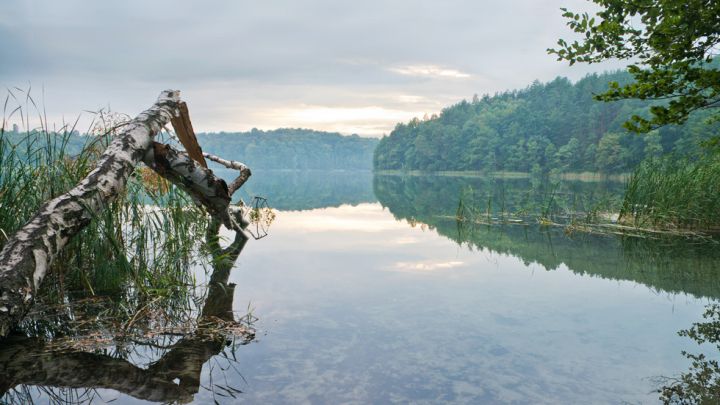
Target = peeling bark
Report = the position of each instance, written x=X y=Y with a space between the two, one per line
x=185 y=133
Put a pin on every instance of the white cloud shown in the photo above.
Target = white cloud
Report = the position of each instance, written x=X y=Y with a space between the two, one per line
x=430 y=71
x=369 y=120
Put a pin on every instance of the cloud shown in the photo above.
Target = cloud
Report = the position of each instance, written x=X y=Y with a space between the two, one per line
x=369 y=121
x=429 y=71
x=361 y=65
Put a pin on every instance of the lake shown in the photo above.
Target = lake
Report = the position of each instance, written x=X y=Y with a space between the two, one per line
x=368 y=290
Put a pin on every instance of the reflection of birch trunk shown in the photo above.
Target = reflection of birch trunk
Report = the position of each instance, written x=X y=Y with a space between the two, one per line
x=27 y=361
x=29 y=252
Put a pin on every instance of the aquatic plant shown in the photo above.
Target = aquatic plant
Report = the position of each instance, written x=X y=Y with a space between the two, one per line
x=545 y=201
x=674 y=193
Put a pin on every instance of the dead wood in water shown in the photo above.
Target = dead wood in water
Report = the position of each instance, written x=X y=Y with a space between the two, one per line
x=174 y=377
x=29 y=252
x=244 y=175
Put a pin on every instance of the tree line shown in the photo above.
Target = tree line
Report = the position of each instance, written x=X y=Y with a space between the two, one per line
x=290 y=148
x=546 y=126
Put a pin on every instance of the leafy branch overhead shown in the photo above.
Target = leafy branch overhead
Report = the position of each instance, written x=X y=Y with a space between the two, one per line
x=672 y=44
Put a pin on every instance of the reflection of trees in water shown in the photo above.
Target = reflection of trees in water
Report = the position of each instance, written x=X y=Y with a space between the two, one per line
x=72 y=376
x=671 y=265
x=701 y=383
x=304 y=190
x=440 y=195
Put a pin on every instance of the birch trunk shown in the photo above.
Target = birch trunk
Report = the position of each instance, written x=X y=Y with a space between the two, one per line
x=26 y=257
x=199 y=182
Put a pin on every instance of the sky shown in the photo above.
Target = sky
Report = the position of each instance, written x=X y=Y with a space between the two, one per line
x=335 y=65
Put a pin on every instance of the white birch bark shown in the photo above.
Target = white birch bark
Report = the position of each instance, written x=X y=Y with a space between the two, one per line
x=199 y=182
x=244 y=175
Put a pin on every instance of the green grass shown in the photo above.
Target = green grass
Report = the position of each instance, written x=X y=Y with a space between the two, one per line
x=673 y=193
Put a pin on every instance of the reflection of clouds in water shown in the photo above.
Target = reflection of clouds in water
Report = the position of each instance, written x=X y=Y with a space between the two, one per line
x=406 y=240
x=359 y=218
x=425 y=266
x=350 y=318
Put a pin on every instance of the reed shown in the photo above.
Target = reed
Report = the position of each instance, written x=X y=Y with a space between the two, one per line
x=674 y=193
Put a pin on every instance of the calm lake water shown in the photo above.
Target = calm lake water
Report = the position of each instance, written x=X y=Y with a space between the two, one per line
x=367 y=291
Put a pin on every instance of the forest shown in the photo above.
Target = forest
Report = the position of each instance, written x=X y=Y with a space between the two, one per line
x=292 y=148
x=555 y=126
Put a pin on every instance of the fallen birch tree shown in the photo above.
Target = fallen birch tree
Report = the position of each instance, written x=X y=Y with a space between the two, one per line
x=28 y=254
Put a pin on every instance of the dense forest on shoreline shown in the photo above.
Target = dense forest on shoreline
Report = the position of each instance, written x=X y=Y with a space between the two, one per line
x=291 y=148
x=546 y=126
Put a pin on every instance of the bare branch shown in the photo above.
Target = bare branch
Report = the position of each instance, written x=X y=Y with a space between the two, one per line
x=245 y=172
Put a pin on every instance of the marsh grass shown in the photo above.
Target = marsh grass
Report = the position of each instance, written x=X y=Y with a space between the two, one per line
x=664 y=197
x=674 y=194
x=139 y=248
x=546 y=202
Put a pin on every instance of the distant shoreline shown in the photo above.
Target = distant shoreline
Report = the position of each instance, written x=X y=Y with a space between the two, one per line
x=581 y=176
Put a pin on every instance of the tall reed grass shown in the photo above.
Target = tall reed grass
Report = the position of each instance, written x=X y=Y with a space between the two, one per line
x=543 y=201
x=674 y=193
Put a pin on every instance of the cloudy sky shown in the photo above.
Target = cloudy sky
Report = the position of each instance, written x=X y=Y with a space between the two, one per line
x=347 y=66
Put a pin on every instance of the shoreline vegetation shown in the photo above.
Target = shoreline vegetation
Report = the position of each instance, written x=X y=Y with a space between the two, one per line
x=669 y=196
x=579 y=176
x=559 y=132
x=125 y=249
x=674 y=194
x=292 y=148
x=546 y=127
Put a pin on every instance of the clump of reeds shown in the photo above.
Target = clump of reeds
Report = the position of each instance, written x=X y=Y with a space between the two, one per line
x=674 y=193
x=546 y=202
